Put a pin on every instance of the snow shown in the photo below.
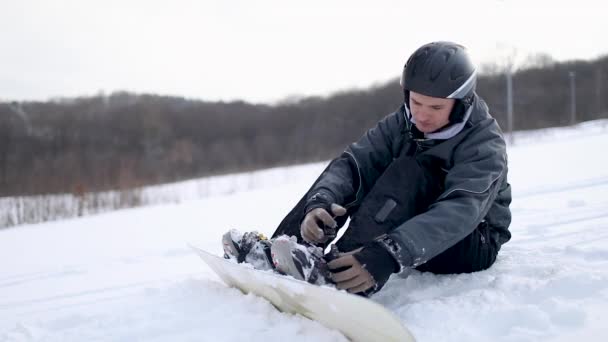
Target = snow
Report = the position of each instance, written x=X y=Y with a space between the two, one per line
x=129 y=275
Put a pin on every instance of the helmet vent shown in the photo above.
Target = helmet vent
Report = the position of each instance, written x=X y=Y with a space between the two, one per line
x=440 y=60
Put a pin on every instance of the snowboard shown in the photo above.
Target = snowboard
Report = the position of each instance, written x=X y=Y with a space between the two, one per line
x=358 y=318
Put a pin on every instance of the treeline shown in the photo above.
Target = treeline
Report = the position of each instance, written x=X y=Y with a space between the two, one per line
x=124 y=140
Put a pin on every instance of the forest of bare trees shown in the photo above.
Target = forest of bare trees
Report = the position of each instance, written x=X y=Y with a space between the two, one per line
x=125 y=140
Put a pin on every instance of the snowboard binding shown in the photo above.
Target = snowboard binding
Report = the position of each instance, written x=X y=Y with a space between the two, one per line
x=250 y=247
x=284 y=254
x=303 y=262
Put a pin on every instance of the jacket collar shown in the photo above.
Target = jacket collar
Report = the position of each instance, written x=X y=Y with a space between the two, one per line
x=444 y=133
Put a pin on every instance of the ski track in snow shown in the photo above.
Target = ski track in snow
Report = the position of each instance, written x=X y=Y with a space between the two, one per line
x=129 y=275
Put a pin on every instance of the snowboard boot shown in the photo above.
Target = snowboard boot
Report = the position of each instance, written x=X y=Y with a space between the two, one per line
x=250 y=247
x=299 y=261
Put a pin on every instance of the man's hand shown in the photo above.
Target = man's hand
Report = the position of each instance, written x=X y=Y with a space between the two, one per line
x=368 y=268
x=355 y=278
x=313 y=223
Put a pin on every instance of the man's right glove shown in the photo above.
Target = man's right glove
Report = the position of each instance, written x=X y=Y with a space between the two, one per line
x=316 y=219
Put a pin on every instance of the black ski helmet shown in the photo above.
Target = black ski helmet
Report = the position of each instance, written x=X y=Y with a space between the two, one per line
x=441 y=69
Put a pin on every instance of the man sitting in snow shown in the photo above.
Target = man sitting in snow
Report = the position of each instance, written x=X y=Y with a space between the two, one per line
x=426 y=188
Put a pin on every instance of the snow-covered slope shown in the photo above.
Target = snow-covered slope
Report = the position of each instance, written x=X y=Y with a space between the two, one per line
x=129 y=276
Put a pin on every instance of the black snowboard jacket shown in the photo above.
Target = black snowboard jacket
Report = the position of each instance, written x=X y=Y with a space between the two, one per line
x=472 y=169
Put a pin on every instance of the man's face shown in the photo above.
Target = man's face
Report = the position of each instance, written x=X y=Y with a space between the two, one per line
x=430 y=113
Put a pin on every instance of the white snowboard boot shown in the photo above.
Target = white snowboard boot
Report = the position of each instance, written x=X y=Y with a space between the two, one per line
x=301 y=262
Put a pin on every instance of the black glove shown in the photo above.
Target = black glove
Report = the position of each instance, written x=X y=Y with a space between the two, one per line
x=363 y=271
x=379 y=263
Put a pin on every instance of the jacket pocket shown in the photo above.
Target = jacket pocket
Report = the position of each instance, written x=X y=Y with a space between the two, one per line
x=386 y=209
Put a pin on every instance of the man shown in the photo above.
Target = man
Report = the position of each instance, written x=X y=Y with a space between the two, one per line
x=425 y=188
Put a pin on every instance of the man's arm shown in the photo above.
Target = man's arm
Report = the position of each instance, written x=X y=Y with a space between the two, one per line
x=499 y=215
x=471 y=187
x=350 y=176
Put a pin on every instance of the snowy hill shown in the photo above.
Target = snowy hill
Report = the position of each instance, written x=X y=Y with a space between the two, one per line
x=129 y=276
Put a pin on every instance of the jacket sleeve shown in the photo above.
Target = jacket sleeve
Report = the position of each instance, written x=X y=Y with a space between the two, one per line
x=499 y=215
x=471 y=186
x=350 y=176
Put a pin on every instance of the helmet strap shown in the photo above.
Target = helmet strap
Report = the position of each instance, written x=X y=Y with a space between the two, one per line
x=460 y=109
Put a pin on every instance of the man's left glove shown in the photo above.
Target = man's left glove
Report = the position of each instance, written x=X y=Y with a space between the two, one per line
x=367 y=269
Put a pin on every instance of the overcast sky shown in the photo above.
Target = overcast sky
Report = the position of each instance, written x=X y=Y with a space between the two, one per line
x=266 y=50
